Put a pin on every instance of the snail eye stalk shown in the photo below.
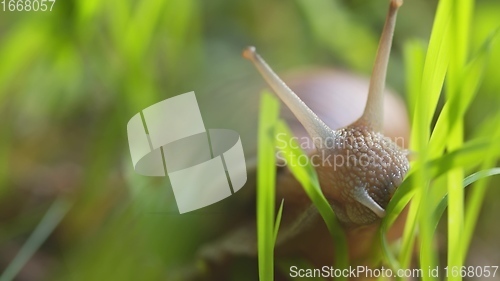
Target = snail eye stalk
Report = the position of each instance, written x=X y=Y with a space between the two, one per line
x=373 y=113
x=313 y=124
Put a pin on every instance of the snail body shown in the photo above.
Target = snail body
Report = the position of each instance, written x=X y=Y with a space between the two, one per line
x=372 y=168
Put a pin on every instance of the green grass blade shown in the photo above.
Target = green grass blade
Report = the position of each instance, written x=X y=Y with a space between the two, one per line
x=49 y=222
x=18 y=49
x=469 y=84
x=408 y=238
x=307 y=177
x=456 y=209
x=266 y=178
x=278 y=220
x=438 y=212
x=414 y=57
x=475 y=199
x=469 y=155
x=459 y=29
x=435 y=66
x=331 y=26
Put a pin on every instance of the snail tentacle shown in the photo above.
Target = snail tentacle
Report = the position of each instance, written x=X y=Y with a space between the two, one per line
x=361 y=195
x=373 y=113
x=315 y=127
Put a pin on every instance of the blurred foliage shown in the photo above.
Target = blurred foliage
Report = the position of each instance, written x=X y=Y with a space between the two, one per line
x=70 y=80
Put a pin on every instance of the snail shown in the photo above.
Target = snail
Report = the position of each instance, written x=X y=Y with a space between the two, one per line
x=358 y=193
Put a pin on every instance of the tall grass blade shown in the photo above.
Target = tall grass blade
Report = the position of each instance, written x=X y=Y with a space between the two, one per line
x=49 y=222
x=435 y=66
x=307 y=177
x=438 y=212
x=278 y=220
x=266 y=178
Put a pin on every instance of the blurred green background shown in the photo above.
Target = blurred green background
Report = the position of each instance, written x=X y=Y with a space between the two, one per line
x=70 y=80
